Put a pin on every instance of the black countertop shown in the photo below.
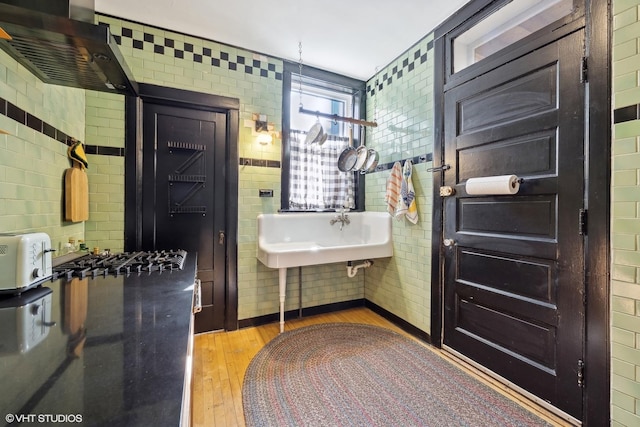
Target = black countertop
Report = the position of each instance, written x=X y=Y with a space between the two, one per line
x=109 y=350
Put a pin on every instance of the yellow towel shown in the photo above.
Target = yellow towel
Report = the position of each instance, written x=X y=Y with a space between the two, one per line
x=77 y=154
x=394 y=182
x=409 y=196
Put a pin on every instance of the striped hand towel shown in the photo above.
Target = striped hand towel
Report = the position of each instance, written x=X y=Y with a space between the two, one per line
x=409 y=196
x=403 y=207
x=394 y=182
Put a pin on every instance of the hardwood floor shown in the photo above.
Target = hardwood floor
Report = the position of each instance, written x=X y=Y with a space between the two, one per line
x=221 y=359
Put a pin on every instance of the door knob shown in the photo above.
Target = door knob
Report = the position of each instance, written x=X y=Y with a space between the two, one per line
x=221 y=237
x=448 y=242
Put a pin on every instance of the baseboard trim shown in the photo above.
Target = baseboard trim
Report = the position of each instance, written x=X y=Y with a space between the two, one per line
x=295 y=314
x=338 y=306
x=398 y=321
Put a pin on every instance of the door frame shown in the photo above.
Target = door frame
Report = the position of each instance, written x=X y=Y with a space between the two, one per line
x=597 y=22
x=134 y=172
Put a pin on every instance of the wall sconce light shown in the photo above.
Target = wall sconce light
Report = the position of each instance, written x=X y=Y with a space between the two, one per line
x=264 y=138
x=263 y=129
x=262 y=126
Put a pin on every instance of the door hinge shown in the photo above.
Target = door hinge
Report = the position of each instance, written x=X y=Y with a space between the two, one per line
x=582 y=222
x=580 y=373
x=584 y=70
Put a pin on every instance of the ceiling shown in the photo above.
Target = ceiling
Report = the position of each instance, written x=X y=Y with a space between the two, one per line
x=352 y=38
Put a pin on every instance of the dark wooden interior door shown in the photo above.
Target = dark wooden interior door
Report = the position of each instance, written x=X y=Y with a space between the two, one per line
x=184 y=195
x=514 y=264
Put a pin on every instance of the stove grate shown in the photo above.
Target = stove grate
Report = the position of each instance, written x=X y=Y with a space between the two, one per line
x=124 y=263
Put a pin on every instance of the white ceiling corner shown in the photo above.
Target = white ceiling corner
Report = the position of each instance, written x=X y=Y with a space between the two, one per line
x=347 y=37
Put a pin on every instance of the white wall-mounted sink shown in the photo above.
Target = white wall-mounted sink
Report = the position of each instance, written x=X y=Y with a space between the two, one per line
x=298 y=239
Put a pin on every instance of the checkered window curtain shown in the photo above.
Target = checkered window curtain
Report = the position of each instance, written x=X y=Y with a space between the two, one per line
x=315 y=180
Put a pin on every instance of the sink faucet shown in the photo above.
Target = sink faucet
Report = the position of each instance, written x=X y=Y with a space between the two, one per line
x=342 y=219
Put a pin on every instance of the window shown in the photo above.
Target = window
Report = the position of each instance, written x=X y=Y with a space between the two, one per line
x=504 y=27
x=311 y=180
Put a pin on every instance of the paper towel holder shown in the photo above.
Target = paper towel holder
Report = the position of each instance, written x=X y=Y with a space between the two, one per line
x=447 y=191
x=493 y=185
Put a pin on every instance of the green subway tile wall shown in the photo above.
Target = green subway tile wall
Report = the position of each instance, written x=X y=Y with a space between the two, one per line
x=105 y=227
x=400 y=98
x=164 y=58
x=625 y=219
x=105 y=127
x=32 y=164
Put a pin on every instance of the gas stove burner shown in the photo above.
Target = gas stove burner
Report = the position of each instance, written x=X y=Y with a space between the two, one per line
x=121 y=263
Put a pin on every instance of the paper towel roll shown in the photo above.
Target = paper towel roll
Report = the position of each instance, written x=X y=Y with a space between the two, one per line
x=503 y=184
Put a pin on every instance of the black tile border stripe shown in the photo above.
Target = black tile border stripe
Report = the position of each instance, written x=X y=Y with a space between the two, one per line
x=104 y=151
x=187 y=51
x=245 y=161
x=378 y=82
x=422 y=158
x=25 y=118
x=626 y=114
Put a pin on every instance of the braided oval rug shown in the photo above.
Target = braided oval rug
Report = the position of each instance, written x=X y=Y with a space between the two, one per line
x=343 y=374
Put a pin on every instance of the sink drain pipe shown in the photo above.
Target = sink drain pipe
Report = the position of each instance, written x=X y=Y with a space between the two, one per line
x=352 y=270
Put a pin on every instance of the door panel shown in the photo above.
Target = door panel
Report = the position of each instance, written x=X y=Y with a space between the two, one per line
x=184 y=194
x=478 y=269
x=510 y=332
x=514 y=279
x=522 y=217
x=523 y=97
x=503 y=156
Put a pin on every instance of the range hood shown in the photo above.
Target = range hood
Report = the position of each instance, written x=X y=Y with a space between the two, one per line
x=58 y=42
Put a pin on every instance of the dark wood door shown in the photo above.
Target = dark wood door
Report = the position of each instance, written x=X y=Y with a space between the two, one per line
x=514 y=264
x=184 y=195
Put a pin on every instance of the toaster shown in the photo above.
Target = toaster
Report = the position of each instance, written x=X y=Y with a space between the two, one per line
x=25 y=260
x=25 y=320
